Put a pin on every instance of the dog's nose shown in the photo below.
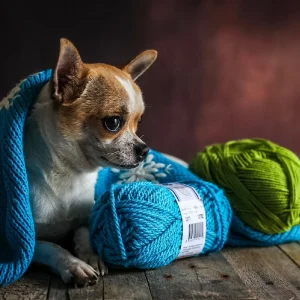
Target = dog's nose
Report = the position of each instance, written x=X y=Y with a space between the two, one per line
x=141 y=150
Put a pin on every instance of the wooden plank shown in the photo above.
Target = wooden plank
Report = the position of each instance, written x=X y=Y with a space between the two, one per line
x=57 y=290
x=265 y=275
x=61 y=291
x=218 y=279
x=293 y=251
x=33 y=285
x=278 y=260
x=175 y=281
x=127 y=285
x=87 y=293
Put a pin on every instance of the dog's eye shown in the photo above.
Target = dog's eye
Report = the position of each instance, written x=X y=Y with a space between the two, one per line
x=113 y=123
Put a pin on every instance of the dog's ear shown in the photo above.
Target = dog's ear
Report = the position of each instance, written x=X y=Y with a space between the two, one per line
x=68 y=75
x=140 y=64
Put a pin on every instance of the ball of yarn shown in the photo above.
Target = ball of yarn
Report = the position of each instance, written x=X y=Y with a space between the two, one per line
x=139 y=225
x=261 y=180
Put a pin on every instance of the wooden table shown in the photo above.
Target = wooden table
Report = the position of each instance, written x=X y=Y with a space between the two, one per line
x=250 y=273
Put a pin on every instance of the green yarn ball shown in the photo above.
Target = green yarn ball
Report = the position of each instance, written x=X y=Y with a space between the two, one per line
x=261 y=180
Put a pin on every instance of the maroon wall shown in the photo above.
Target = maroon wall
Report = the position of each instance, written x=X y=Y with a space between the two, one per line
x=226 y=69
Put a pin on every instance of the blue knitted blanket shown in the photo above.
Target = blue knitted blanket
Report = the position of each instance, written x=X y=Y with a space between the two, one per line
x=17 y=234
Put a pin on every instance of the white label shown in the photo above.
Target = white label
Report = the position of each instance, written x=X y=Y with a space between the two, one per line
x=193 y=219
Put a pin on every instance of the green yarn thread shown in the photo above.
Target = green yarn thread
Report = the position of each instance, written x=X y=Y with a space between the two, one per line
x=261 y=180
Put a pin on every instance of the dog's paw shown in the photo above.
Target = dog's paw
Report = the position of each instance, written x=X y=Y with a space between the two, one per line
x=85 y=252
x=95 y=261
x=79 y=273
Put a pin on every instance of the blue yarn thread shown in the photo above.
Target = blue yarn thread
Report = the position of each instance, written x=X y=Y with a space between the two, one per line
x=139 y=225
x=242 y=235
x=17 y=235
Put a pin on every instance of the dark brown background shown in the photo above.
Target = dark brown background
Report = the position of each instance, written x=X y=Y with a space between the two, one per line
x=226 y=69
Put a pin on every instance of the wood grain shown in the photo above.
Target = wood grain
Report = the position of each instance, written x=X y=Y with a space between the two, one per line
x=218 y=279
x=251 y=273
x=33 y=285
x=293 y=251
x=88 y=293
x=175 y=281
x=126 y=285
x=284 y=266
x=57 y=289
x=264 y=271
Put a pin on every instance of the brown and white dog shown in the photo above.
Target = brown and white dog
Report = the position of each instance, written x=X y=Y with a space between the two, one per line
x=86 y=117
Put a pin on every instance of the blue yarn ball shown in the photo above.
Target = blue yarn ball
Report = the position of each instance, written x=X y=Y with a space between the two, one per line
x=139 y=225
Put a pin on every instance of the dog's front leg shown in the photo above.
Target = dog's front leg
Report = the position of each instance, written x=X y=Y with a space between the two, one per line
x=84 y=250
x=62 y=262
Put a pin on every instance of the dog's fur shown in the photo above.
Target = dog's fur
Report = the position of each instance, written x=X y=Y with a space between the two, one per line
x=66 y=141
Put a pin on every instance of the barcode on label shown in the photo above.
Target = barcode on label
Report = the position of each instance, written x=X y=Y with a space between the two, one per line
x=195 y=231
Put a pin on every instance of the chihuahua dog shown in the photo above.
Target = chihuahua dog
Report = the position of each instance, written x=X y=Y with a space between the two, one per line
x=84 y=118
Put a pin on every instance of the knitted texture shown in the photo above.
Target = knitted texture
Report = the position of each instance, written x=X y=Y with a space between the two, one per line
x=260 y=179
x=140 y=225
x=17 y=236
x=242 y=235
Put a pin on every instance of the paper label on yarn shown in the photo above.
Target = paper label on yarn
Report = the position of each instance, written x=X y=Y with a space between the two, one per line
x=193 y=219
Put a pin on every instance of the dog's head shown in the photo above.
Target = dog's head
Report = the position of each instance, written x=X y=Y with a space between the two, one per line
x=99 y=106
